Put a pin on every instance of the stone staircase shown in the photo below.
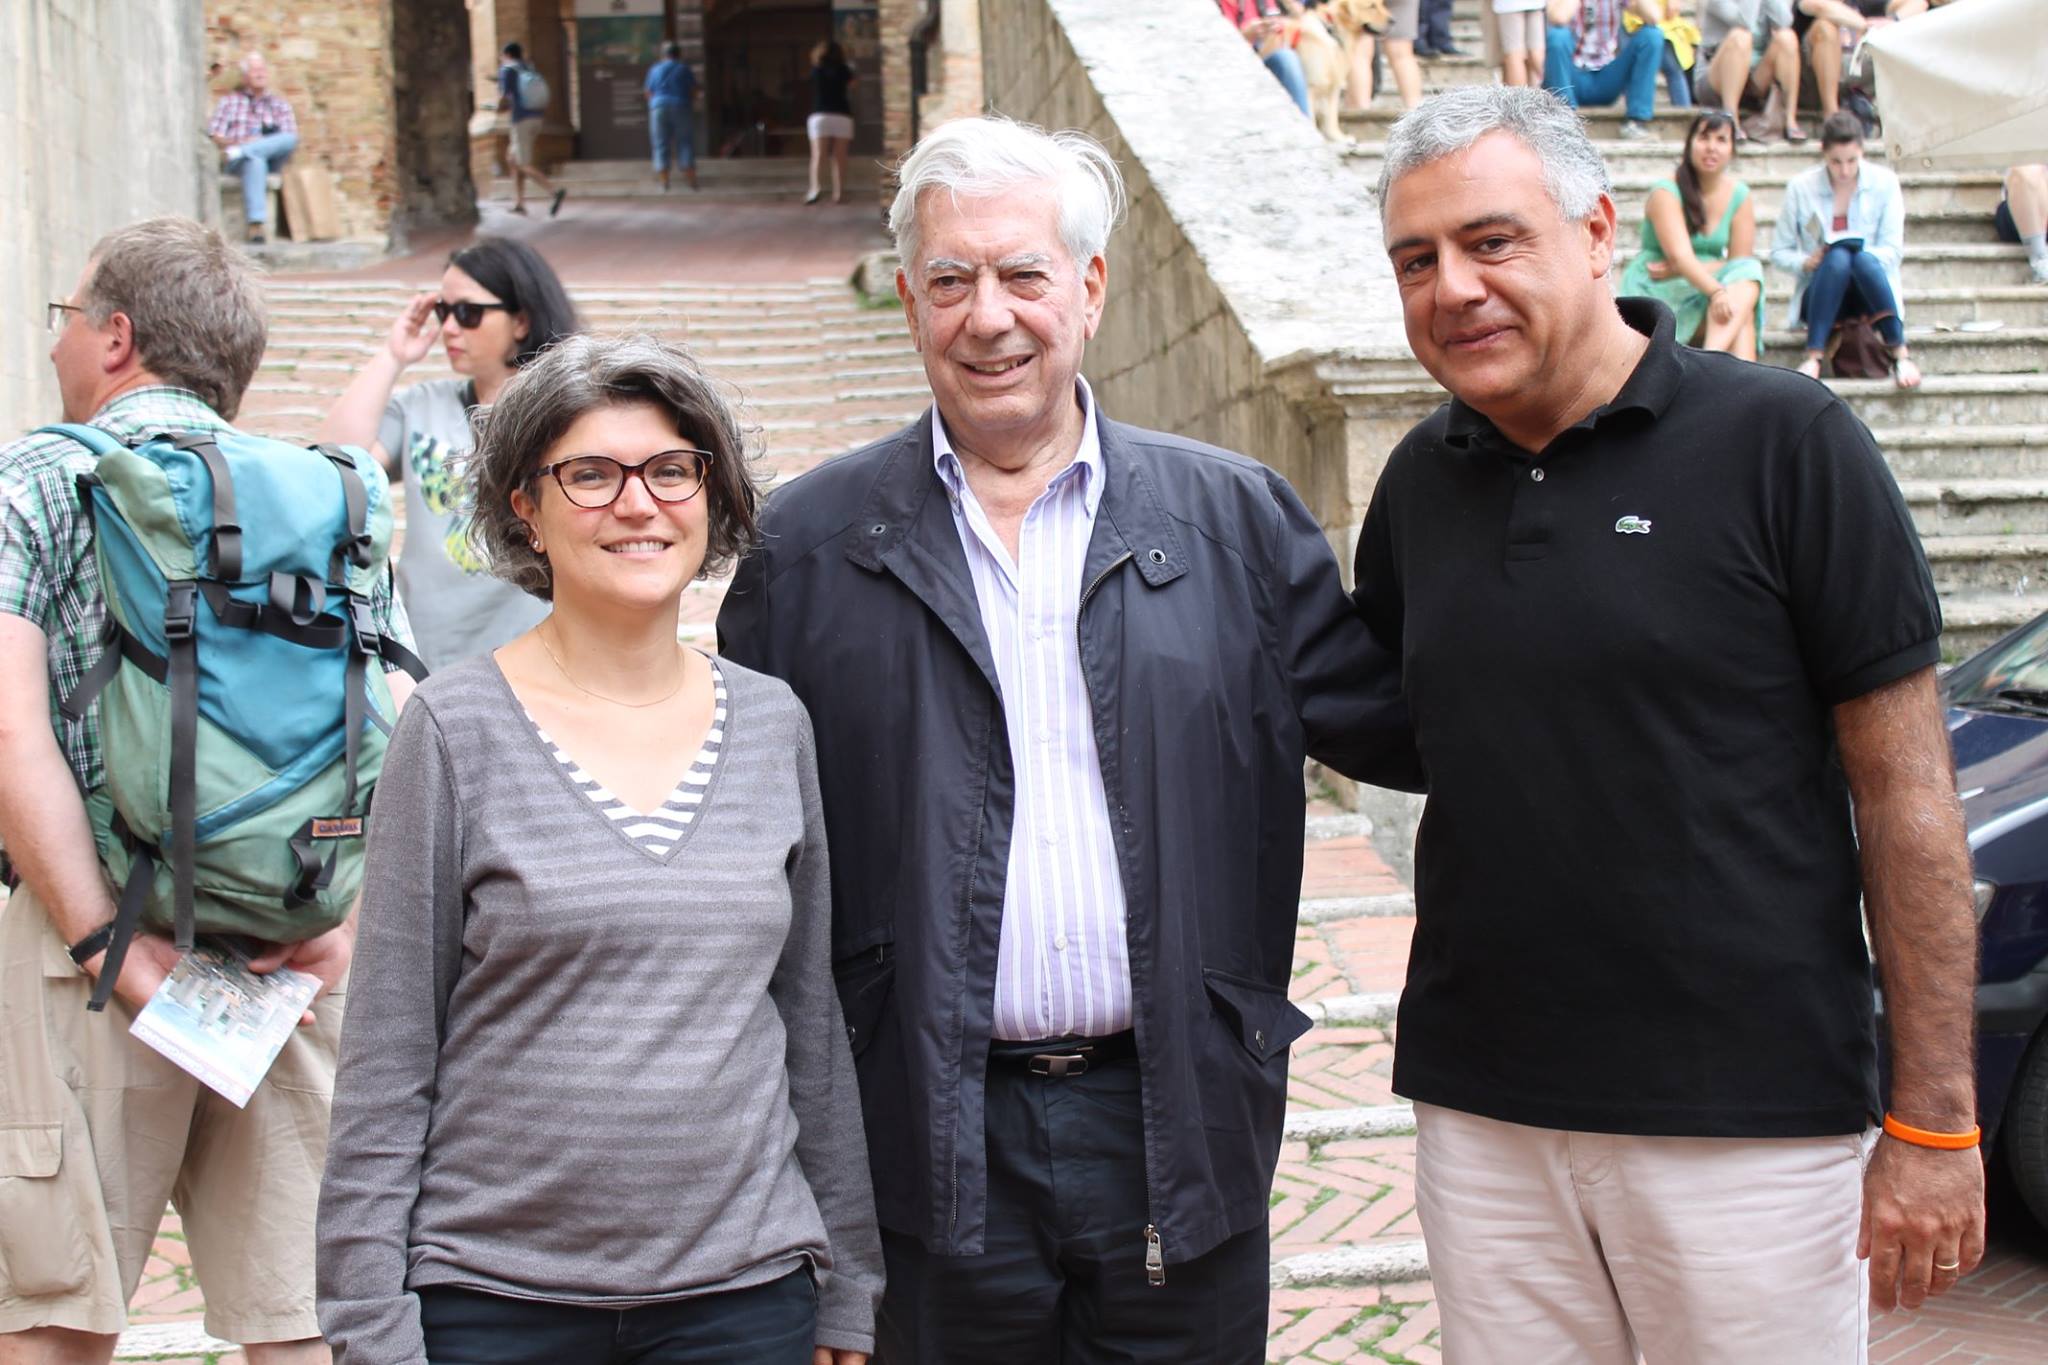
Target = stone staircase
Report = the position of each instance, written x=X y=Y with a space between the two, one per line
x=1967 y=447
x=748 y=178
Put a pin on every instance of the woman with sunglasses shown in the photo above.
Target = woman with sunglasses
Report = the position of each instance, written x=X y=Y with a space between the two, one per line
x=595 y=1101
x=497 y=307
x=1698 y=255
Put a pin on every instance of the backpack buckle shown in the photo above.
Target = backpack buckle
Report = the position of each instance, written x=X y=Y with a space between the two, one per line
x=363 y=625
x=181 y=611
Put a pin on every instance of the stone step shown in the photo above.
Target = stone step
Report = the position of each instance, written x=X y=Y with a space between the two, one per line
x=739 y=170
x=1391 y=1262
x=1317 y=1126
x=1949 y=400
x=1959 y=192
x=1985 y=566
x=1328 y=909
x=173 y=1341
x=2024 y=305
x=2009 y=350
x=1372 y=122
x=1964 y=452
x=1977 y=507
x=1374 y=1010
x=1770 y=163
x=1971 y=621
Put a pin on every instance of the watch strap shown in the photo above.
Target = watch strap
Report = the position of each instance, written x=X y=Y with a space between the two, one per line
x=93 y=944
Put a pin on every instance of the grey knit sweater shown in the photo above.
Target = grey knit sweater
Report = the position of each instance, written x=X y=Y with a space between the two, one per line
x=576 y=1072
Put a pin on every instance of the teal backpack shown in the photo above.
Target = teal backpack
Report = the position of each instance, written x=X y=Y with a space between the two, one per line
x=243 y=706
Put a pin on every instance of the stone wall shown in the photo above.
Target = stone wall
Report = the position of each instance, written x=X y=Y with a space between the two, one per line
x=431 y=104
x=1250 y=299
x=953 y=69
x=76 y=164
x=332 y=60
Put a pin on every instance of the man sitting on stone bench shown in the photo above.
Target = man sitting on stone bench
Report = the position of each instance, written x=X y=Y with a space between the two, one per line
x=255 y=127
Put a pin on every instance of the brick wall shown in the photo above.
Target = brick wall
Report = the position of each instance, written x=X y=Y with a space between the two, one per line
x=332 y=60
x=76 y=164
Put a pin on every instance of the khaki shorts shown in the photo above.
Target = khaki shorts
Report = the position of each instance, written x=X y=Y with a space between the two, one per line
x=525 y=137
x=98 y=1133
x=1522 y=31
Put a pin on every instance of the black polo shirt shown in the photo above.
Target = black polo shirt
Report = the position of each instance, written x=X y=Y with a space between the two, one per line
x=1636 y=880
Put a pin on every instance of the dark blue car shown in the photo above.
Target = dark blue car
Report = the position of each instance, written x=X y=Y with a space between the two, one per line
x=1998 y=727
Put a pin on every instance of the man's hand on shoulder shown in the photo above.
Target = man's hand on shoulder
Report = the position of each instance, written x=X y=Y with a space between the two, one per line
x=1923 y=1210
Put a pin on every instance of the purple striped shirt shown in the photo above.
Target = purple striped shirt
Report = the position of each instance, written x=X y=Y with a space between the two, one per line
x=1063 y=967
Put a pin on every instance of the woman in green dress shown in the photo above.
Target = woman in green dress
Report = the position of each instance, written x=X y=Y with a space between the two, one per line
x=1709 y=278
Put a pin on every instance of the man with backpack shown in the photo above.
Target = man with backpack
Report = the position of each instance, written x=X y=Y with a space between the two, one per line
x=97 y=1132
x=523 y=94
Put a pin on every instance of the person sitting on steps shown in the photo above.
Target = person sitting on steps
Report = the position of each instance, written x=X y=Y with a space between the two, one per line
x=1750 y=46
x=1841 y=232
x=2022 y=216
x=1590 y=60
x=1699 y=236
x=255 y=127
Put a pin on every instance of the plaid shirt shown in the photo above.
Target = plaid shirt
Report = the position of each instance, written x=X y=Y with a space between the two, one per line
x=48 y=576
x=1597 y=26
x=240 y=116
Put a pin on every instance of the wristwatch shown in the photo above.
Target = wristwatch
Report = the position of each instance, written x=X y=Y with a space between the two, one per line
x=93 y=943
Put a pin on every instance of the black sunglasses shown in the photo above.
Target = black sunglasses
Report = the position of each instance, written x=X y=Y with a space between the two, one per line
x=468 y=316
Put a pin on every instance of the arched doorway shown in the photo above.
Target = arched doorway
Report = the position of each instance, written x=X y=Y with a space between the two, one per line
x=757 y=72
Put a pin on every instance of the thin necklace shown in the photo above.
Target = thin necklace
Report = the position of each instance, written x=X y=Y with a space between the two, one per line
x=556 y=659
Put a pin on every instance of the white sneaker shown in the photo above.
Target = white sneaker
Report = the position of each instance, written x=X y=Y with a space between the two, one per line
x=236 y=154
x=2040 y=268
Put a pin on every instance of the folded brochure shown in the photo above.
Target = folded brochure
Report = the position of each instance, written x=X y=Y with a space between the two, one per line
x=222 y=1022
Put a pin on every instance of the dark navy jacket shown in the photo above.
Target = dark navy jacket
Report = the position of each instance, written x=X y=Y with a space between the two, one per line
x=1219 y=648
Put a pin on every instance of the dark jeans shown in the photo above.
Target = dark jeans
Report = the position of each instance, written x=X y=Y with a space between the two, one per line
x=768 y=1324
x=1062 y=1280
x=1631 y=76
x=1848 y=284
x=1433 y=25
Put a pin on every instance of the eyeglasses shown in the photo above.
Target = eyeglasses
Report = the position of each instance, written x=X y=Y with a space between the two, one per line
x=54 y=315
x=468 y=316
x=595 y=481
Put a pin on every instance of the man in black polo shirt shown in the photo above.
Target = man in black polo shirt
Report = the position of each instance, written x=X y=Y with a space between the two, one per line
x=1661 y=613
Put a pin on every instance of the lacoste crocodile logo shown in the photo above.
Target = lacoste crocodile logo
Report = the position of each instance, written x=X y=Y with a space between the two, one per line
x=1632 y=526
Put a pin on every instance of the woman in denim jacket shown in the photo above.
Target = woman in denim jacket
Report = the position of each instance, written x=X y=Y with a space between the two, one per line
x=1841 y=232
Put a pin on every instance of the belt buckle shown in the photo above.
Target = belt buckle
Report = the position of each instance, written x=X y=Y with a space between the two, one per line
x=1060 y=1065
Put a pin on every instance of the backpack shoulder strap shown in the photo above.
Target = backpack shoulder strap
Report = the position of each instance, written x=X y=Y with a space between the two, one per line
x=98 y=441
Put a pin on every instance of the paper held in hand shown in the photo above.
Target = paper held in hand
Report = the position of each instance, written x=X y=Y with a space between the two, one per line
x=222 y=1022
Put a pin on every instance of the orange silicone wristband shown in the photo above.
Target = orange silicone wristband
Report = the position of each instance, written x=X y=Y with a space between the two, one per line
x=1920 y=1137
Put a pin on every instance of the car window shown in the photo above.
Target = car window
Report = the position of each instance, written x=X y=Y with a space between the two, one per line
x=2018 y=663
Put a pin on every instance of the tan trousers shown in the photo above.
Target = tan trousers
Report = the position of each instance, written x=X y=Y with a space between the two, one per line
x=98 y=1133
x=1561 y=1248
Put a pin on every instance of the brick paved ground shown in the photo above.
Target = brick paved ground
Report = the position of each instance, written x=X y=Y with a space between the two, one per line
x=756 y=289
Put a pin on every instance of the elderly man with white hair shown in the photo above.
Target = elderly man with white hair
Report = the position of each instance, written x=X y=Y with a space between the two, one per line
x=1661 y=614
x=255 y=127
x=1063 y=674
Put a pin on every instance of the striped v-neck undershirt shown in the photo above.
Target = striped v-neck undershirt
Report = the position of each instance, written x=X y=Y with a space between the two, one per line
x=659 y=830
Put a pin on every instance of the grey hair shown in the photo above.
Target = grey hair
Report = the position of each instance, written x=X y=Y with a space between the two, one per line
x=194 y=303
x=242 y=65
x=1447 y=124
x=577 y=375
x=976 y=157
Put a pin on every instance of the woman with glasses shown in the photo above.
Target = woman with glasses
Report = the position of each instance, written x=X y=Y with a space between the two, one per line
x=595 y=1100
x=1699 y=245
x=497 y=307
